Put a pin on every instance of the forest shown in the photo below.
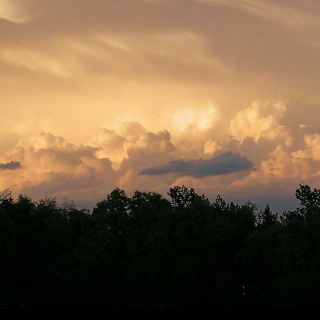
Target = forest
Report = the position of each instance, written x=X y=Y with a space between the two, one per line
x=150 y=251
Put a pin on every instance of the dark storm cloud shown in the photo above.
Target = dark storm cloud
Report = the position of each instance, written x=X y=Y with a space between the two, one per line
x=224 y=164
x=13 y=165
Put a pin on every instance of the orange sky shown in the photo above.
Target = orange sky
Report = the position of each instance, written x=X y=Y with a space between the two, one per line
x=94 y=92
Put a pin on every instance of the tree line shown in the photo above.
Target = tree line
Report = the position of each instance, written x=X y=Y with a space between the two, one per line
x=148 y=251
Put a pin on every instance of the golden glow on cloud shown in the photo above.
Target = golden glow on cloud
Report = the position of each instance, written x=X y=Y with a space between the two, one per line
x=32 y=62
x=258 y=121
x=94 y=92
x=11 y=10
x=202 y=119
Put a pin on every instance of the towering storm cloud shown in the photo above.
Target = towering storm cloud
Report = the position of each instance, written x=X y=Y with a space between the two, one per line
x=103 y=93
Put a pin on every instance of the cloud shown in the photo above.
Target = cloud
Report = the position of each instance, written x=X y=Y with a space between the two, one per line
x=185 y=72
x=259 y=121
x=50 y=165
x=313 y=148
x=187 y=119
x=135 y=57
x=13 y=165
x=146 y=148
x=12 y=10
x=119 y=155
x=224 y=164
x=288 y=13
x=45 y=140
x=130 y=145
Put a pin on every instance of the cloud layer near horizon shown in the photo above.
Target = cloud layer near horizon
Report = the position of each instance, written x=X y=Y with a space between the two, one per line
x=117 y=87
x=131 y=157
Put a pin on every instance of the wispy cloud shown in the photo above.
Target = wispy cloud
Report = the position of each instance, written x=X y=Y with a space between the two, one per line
x=12 y=10
x=292 y=14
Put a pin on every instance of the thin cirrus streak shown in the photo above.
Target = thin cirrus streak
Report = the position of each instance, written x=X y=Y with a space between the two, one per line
x=299 y=15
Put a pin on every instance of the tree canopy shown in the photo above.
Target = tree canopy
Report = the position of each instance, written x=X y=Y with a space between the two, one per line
x=148 y=251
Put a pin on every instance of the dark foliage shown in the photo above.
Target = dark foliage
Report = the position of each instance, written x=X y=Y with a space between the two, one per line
x=147 y=251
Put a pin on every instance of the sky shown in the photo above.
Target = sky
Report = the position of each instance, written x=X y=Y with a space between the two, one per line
x=222 y=96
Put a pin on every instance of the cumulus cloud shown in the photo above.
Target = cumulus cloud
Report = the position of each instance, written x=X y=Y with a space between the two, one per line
x=50 y=165
x=130 y=156
x=224 y=164
x=201 y=120
x=146 y=148
x=13 y=165
x=259 y=121
x=111 y=145
x=312 y=150
x=45 y=140
x=130 y=145
x=255 y=161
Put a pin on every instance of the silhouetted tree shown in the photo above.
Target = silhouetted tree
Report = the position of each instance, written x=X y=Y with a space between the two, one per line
x=147 y=251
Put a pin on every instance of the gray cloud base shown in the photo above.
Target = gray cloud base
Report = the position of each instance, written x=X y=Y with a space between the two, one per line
x=13 y=165
x=226 y=163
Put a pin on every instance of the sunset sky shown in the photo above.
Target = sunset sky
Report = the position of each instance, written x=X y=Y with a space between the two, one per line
x=218 y=95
